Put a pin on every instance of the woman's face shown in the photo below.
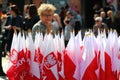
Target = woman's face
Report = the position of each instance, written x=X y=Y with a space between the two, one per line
x=46 y=17
x=98 y=23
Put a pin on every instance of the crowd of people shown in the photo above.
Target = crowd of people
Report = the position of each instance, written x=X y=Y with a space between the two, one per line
x=109 y=18
x=66 y=20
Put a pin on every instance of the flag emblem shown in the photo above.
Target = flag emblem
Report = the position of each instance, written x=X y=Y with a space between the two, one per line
x=13 y=56
x=50 y=60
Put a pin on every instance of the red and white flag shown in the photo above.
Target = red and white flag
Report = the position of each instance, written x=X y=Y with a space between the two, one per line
x=108 y=58
x=21 y=58
x=34 y=65
x=79 y=52
x=89 y=64
x=101 y=40
x=115 y=53
x=70 y=59
x=12 y=58
x=49 y=64
x=62 y=57
x=29 y=75
x=118 y=68
x=59 y=51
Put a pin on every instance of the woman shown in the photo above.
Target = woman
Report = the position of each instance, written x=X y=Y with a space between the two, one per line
x=13 y=22
x=45 y=11
x=68 y=29
x=31 y=19
x=110 y=19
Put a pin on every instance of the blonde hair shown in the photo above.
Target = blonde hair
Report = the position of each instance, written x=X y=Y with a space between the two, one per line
x=110 y=12
x=46 y=7
x=111 y=15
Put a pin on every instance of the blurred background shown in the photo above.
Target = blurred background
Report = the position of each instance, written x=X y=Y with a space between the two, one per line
x=85 y=7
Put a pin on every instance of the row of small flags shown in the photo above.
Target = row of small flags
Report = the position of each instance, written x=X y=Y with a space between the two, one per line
x=46 y=58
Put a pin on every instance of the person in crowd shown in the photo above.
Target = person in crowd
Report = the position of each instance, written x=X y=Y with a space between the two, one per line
x=103 y=16
x=45 y=11
x=68 y=29
x=31 y=19
x=95 y=15
x=99 y=25
x=108 y=7
x=79 y=18
x=110 y=19
x=118 y=5
x=73 y=10
x=26 y=11
x=117 y=22
x=57 y=22
x=96 y=8
x=13 y=22
x=1 y=68
x=78 y=22
x=3 y=17
x=70 y=17
x=62 y=16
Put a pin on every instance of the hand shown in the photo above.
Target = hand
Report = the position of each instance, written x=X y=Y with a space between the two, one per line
x=9 y=27
x=16 y=28
x=49 y=26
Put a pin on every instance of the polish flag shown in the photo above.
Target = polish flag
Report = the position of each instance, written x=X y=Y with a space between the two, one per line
x=89 y=63
x=49 y=63
x=69 y=59
x=11 y=67
x=38 y=57
x=21 y=58
x=101 y=40
x=59 y=50
x=29 y=74
x=34 y=65
x=115 y=53
x=79 y=52
x=62 y=56
x=108 y=58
